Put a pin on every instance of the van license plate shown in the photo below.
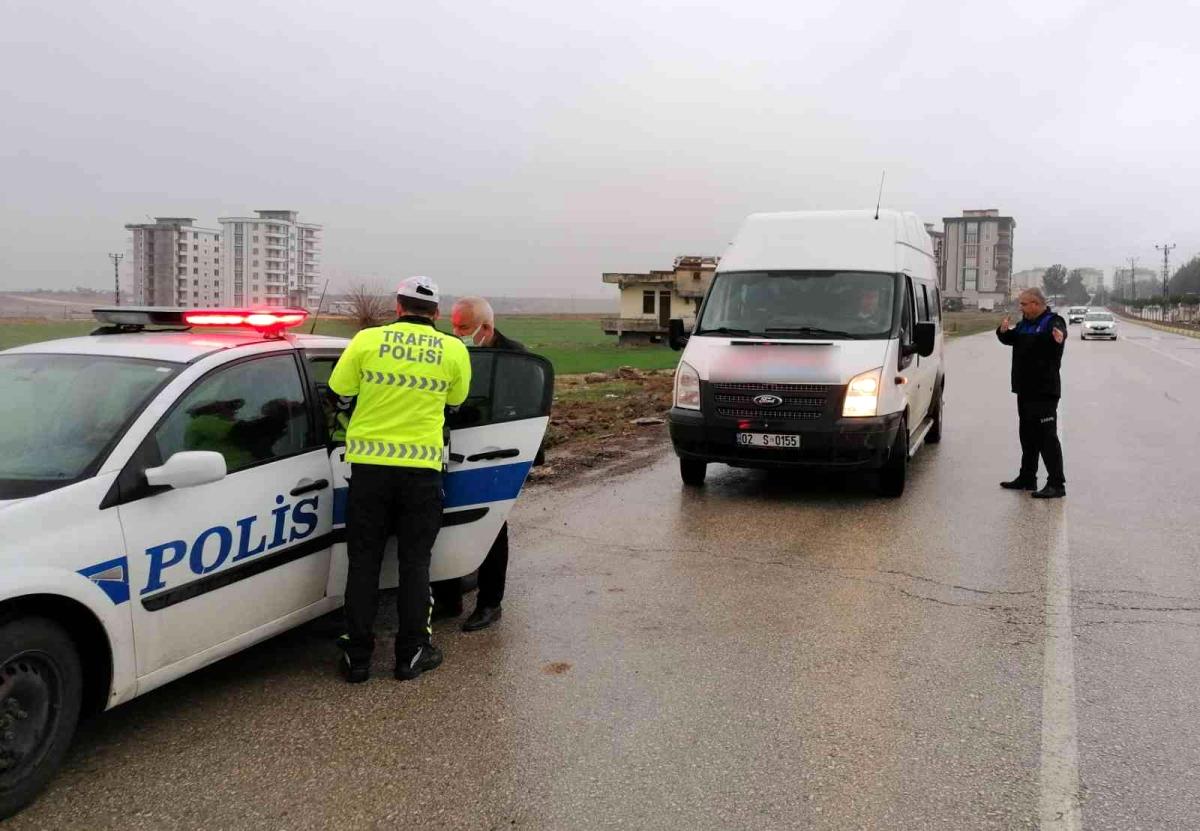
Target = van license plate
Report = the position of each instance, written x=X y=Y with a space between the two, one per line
x=778 y=440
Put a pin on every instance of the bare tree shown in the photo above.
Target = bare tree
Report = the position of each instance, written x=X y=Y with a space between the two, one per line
x=370 y=305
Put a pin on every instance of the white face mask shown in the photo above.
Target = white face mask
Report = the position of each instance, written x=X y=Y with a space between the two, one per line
x=469 y=340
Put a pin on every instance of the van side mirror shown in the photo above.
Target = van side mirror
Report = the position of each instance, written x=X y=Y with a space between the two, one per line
x=188 y=468
x=924 y=335
x=677 y=336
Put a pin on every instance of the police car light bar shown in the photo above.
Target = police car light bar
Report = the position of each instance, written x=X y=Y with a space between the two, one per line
x=264 y=320
x=270 y=321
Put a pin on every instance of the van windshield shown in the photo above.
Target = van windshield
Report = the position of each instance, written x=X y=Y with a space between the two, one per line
x=839 y=305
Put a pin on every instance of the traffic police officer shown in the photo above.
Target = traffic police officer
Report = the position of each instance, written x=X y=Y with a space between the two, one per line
x=1037 y=342
x=404 y=375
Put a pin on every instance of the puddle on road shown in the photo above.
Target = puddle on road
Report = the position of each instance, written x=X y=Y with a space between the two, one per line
x=556 y=668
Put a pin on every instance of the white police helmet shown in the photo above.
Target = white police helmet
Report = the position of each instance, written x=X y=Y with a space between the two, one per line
x=418 y=288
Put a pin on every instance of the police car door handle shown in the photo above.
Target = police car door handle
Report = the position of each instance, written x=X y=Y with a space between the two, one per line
x=308 y=486
x=494 y=454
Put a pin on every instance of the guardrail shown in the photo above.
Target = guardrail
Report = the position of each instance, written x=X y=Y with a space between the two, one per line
x=1189 y=331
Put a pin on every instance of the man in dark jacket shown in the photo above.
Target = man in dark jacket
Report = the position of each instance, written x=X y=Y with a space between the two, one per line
x=474 y=321
x=1037 y=343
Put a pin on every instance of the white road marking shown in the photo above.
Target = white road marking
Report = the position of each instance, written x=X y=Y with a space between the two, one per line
x=1059 y=808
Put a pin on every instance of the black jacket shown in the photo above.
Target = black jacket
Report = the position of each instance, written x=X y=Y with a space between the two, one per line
x=501 y=342
x=1036 y=356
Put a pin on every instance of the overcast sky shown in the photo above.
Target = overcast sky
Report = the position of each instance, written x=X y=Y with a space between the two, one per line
x=523 y=148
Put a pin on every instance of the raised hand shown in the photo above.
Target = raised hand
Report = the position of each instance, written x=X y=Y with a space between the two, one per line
x=1005 y=324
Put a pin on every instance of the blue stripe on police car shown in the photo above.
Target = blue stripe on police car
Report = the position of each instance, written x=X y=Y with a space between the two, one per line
x=112 y=576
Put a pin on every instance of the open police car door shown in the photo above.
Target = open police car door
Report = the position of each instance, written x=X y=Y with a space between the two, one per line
x=494 y=438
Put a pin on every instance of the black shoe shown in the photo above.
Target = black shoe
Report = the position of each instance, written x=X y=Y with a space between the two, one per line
x=1050 y=492
x=482 y=618
x=426 y=658
x=441 y=612
x=353 y=673
x=1021 y=483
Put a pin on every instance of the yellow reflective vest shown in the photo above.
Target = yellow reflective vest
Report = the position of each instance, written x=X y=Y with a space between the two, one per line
x=404 y=375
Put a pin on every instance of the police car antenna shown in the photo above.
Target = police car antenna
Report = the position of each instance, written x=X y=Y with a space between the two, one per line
x=320 y=303
x=880 y=199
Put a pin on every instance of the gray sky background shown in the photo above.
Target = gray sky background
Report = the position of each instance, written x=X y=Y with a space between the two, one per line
x=523 y=148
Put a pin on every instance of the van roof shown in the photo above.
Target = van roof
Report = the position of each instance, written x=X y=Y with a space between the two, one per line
x=827 y=241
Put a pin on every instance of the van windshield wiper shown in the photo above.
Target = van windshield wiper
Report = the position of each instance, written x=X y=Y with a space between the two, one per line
x=812 y=330
x=723 y=330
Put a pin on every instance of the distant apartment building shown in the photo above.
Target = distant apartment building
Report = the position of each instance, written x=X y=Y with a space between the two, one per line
x=938 y=240
x=1028 y=279
x=978 y=257
x=271 y=259
x=175 y=263
x=1093 y=278
x=650 y=300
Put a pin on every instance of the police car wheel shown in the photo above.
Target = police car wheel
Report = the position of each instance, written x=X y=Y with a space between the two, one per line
x=41 y=689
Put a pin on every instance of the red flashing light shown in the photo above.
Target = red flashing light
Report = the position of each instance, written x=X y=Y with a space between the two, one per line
x=268 y=321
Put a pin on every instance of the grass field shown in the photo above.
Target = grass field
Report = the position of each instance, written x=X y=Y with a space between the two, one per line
x=573 y=344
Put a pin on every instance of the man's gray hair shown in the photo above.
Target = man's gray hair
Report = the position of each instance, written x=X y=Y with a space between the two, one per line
x=1037 y=294
x=481 y=310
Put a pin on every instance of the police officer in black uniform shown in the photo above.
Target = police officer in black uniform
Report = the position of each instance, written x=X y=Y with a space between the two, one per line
x=1037 y=343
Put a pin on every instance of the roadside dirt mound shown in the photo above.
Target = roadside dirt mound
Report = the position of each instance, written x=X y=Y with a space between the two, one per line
x=592 y=424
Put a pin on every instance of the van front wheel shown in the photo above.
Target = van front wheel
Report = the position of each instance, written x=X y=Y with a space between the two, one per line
x=894 y=472
x=692 y=471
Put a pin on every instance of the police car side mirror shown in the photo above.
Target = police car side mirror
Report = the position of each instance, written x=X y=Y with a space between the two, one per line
x=188 y=468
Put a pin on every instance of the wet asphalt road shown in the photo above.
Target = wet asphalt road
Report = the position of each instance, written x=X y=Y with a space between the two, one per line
x=765 y=652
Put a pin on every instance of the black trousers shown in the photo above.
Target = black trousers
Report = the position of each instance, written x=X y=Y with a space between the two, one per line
x=1039 y=437
x=384 y=502
x=492 y=574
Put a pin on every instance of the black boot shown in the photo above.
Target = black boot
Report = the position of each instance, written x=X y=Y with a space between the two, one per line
x=482 y=618
x=352 y=672
x=1051 y=492
x=1021 y=483
x=426 y=658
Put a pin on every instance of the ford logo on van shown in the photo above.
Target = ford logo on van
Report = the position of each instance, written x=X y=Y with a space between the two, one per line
x=768 y=400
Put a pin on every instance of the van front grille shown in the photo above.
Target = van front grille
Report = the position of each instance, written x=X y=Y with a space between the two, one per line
x=798 y=402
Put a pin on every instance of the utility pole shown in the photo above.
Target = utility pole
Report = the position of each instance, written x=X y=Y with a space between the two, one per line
x=1133 y=278
x=116 y=258
x=1167 y=258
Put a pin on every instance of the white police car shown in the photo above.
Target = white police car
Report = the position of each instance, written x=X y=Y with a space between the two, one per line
x=171 y=493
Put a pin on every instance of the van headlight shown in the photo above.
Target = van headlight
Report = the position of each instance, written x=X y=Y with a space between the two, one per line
x=687 y=387
x=862 y=395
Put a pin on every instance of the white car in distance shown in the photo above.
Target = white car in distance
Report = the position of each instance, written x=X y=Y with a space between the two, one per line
x=1099 y=325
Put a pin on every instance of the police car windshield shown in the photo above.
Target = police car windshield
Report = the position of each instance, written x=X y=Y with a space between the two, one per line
x=61 y=414
x=829 y=305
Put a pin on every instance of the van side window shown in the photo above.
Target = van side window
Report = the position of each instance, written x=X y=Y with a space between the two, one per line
x=906 y=322
x=906 y=319
x=923 y=313
x=936 y=311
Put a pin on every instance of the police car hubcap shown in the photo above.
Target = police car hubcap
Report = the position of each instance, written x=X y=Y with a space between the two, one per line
x=29 y=700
